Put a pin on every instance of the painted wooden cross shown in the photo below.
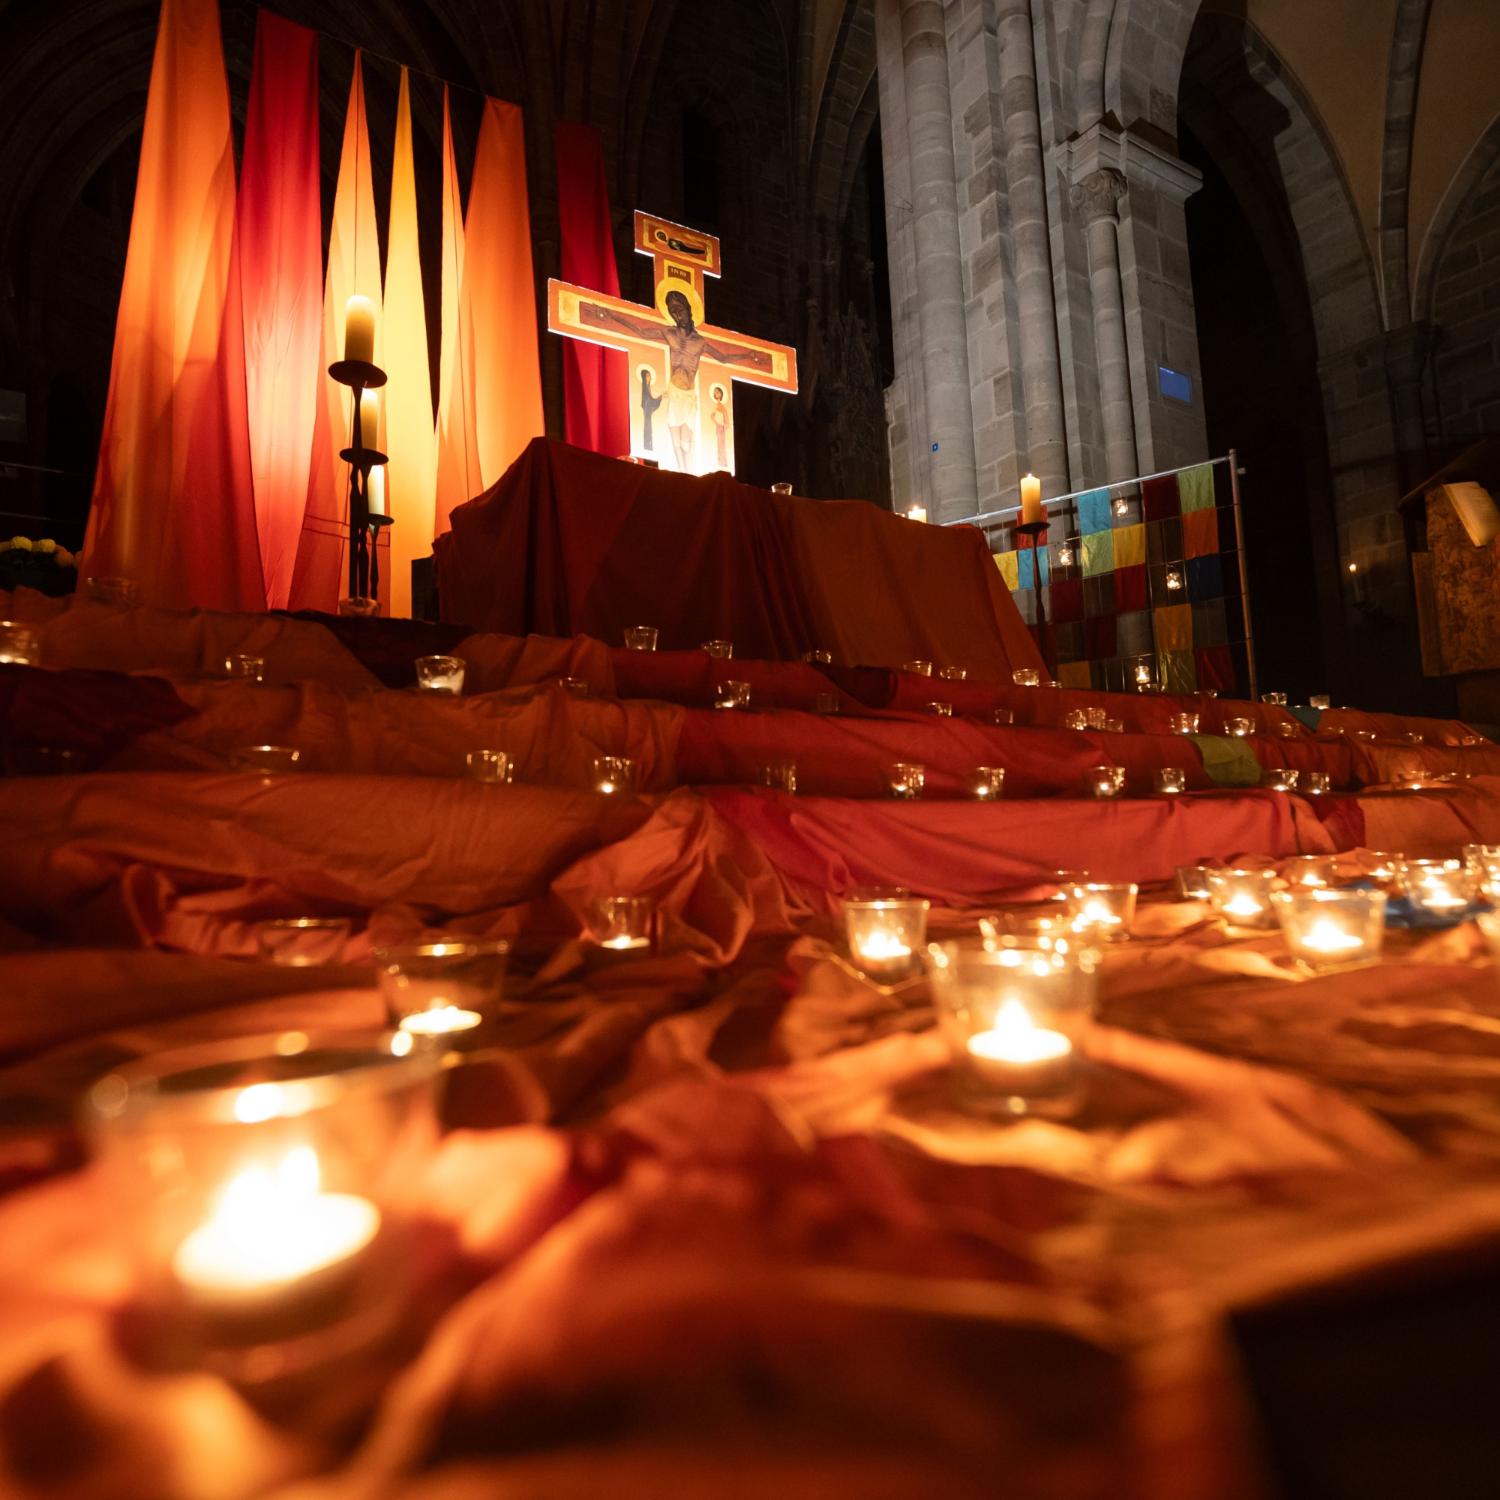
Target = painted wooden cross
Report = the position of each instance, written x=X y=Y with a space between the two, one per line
x=678 y=362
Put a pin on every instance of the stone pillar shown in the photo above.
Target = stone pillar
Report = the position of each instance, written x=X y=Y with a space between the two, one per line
x=1025 y=174
x=1095 y=198
x=1406 y=351
x=939 y=268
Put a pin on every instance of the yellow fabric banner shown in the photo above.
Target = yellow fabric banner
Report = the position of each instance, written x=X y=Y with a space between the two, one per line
x=411 y=477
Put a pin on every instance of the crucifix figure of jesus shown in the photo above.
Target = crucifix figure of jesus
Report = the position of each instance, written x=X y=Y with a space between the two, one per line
x=675 y=351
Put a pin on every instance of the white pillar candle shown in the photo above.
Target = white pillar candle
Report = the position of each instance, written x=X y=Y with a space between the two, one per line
x=1031 y=500
x=359 y=330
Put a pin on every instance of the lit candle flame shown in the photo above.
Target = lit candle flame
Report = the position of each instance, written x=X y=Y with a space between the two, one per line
x=1326 y=936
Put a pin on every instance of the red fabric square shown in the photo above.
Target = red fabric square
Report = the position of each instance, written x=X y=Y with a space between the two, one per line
x=1099 y=637
x=1215 y=668
x=1130 y=588
x=1066 y=600
x=1159 y=498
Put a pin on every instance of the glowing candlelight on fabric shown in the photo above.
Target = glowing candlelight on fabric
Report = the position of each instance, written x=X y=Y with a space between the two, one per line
x=359 y=330
x=439 y=1020
x=271 y=1228
x=1238 y=728
x=1031 y=500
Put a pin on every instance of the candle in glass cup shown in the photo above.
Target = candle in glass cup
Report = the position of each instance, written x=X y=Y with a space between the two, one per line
x=1075 y=718
x=826 y=703
x=779 y=775
x=574 y=687
x=818 y=657
x=921 y=668
x=1003 y=716
x=1326 y=929
x=987 y=783
x=885 y=932
x=112 y=590
x=1285 y=729
x=1238 y=727
x=269 y=760
x=1170 y=779
x=1098 y=909
x=916 y=512
x=1316 y=783
x=954 y=674
x=251 y=668
x=941 y=710
x=1436 y=887
x=1114 y=726
x=1192 y=882
x=1026 y=677
x=1242 y=897
x=1314 y=870
x=622 y=924
x=435 y=989
x=1104 y=781
x=1097 y=718
x=1320 y=701
x=1279 y=779
x=613 y=774
x=640 y=638
x=303 y=942
x=905 y=780
x=20 y=644
x=1183 y=723
x=490 y=767
x=782 y=487
x=1279 y=699
x=1476 y=856
x=732 y=694
x=719 y=650
x=440 y=674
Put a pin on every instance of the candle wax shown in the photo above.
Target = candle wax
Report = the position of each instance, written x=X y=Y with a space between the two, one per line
x=1243 y=906
x=882 y=947
x=1326 y=936
x=624 y=942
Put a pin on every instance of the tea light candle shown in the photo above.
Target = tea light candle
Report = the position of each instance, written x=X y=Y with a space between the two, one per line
x=435 y=989
x=440 y=674
x=1100 y=910
x=1183 y=723
x=272 y=1228
x=732 y=694
x=19 y=644
x=613 y=773
x=640 y=637
x=954 y=674
x=622 y=924
x=916 y=512
x=818 y=657
x=719 y=650
x=1320 y=701
x=1278 y=779
x=1075 y=718
x=884 y=933
x=987 y=783
x=1316 y=783
x=490 y=767
x=1435 y=886
x=1285 y=729
x=252 y=668
x=1104 y=781
x=574 y=687
x=1241 y=897
x=1170 y=779
x=1142 y=672
x=440 y=1020
x=109 y=590
x=782 y=487
x=1315 y=870
x=303 y=942
x=269 y=760
x=1277 y=698
x=1237 y=727
x=1026 y=677
x=906 y=780
x=920 y=667
x=1326 y=929
x=1016 y=1056
x=826 y=703
x=779 y=775
x=1174 y=578
x=1003 y=716
x=942 y=710
x=1114 y=726
x=1192 y=882
x=1477 y=856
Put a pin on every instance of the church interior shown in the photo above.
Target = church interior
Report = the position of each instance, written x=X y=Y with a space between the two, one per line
x=749 y=748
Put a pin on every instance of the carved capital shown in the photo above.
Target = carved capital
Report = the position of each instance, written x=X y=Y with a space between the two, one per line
x=1098 y=195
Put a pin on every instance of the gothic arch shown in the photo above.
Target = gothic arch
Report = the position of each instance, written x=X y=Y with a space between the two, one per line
x=1142 y=62
x=1483 y=155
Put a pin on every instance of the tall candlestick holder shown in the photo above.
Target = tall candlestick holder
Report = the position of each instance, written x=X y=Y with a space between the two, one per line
x=1036 y=530
x=364 y=573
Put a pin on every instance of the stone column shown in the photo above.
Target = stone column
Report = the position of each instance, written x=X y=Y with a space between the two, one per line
x=949 y=438
x=1096 y=198
x=1041 y=377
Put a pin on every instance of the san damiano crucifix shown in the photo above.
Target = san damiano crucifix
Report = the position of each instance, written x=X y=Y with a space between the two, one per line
x=681 y=414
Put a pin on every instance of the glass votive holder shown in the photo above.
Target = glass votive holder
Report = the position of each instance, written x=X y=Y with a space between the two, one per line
x=1477 y=856
x=257 y=1186
x=1192 y=882
x=250 y=668
x=782 y=487
x=885 y=932
x=303 y=942
x=941 y=710
x=1170 y=779
x=1075 y=718
x=574 y=687
x=1434 y=887
x=439 y=989
x=440 y=674
x=1320 y=700
x=1016 y=1018
x=779 y=775
x=1310 y=870
x=20 y=644
x=1097 y=718
x=1237 y=727
x=1384 y=869
x=1114 y=726
x=1284 y=729
x=1316 y=783
x=826 y=703
x=1003 y=716
x=490 y=767
x=954 y=674
x=122 y=592
x=1104 y=781
x=818 y=657
x=1278 y=779
x=269 y=760
x=1414 y=737
x=613 y=774
x=1327 y=929
x=719 y=650
x=1363 y=736
x=1489 y=924
x=1241 y=897
x=1279 y=699
x=1100 y=910
x=920 y=668
x=1183 y=723
x=350 y=608
x=640 y=638
x=1026 y=677
x=732 y=694
x=905 y=780
x=622 y=924
x=987 y=783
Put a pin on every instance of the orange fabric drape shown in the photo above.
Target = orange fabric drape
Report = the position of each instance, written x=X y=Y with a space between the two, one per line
x=500 y=295
x=457 y=443
x=279 y=241
x=411 y=477
x=173 y=506
x=321 y=576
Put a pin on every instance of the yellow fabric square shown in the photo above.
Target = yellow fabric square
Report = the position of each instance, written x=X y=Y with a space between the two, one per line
x=1130 y=545
x=1075 y=674
x=1174 y=628
x=1009 y=569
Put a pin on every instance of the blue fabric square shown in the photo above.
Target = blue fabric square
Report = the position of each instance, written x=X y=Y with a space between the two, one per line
x=1205 y=578
x=1094 y=512
x=1025 y=571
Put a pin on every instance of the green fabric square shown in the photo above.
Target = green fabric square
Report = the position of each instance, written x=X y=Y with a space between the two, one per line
x=1195 y=488
x=1177 y=672
x=1229 y=762
x=1098 y=553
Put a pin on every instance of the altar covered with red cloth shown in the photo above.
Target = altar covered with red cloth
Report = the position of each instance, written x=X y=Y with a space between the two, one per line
x=570 y=543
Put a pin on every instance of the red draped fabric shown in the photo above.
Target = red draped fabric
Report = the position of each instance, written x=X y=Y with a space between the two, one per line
x=572 y=543
x=173 y=504
x=279 y=242
x=596 y=381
